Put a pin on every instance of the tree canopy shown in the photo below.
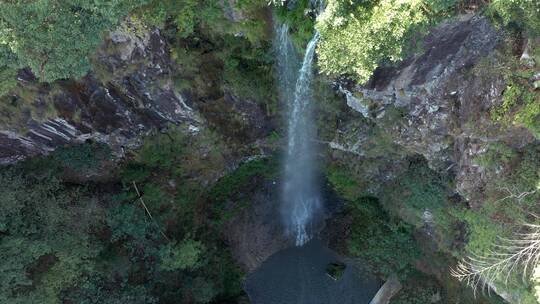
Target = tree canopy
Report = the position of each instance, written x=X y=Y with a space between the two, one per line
x=55 y=38
x=357 y=37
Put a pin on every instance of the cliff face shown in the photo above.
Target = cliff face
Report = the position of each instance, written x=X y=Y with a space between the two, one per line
x=129 y=93
x=438 y=106
x=443 y=98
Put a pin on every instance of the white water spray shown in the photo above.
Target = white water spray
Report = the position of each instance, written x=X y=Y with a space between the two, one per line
x=301 y=198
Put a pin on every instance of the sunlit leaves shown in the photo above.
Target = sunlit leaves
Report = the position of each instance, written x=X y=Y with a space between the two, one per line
x=354 y=41
x=55 y=38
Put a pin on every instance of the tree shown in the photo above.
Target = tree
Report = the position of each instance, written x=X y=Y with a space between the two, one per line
x=355 y=40
x=357 y=36
x=55 y=38
x=45 y=246
x=181 y=256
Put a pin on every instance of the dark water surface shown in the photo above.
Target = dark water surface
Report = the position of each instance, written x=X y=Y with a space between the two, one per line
x=297 y=275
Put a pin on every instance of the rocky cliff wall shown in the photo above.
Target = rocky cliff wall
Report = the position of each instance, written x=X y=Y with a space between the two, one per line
x=443 y=98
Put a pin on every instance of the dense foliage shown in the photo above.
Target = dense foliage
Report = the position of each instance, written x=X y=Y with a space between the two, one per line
x=357 y=37
x=93 y=244
x=521 y=100
x=375 y=235
x=520 y=15
x=56 y=38
x=301 y=20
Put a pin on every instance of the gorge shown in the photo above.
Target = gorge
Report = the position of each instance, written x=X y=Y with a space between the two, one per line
x=242 y=152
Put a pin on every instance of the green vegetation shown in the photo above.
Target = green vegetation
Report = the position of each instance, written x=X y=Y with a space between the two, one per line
x=418 y=188
x=7 y=79
x=521 y=15
x=510 y=200
x=46 y=246
x=521 y=99
x=93 y=244
x=300 y=21
x=234 y=55
x=419 y=291
x=358 y=37
x=185 y=255
x=521 y=106
x=375 y=235
x=512 y=193
x=45 y=35
x=496 y=155
x=248 y=70
x=82 y=157
x=152 y=233
x=234 y=187
x=187 y=15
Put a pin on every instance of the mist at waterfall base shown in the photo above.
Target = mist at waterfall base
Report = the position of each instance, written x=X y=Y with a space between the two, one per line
x=301 y=199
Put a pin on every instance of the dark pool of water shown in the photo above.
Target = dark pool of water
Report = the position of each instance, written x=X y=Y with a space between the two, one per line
x=297 y=275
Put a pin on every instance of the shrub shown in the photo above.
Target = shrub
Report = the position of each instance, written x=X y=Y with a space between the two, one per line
x=519 y=14
x=8 y=79
x=520 y=106
x=236 y=184
x=357 y=37
x=376 y=237
x=344 y=183
x=181 y=256
x=496 y=155
x=55 y=38
x=355 y=40
x=82 y=157
x=417 y=189
x=299 y=21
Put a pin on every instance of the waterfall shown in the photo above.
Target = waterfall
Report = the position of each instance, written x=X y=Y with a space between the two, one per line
x=301 y=202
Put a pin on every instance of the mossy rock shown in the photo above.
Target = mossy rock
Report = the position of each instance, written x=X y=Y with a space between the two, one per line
x=335 y=270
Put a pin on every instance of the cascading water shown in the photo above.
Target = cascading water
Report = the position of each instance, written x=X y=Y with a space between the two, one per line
x=301 y=198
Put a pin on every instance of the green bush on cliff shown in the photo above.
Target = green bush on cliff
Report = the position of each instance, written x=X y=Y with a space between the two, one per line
x=344 y=183
x=496 y=155
x=186 y=15
x=180 y=256
x=8 y=79
x=82 y=157
x=45 y=244
x=520 y=106
x=415 y=191
x=357 y=37
x=248 y=70
x=518 y=14
x=55 y=38
x=299 y=21
x=376 y=237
